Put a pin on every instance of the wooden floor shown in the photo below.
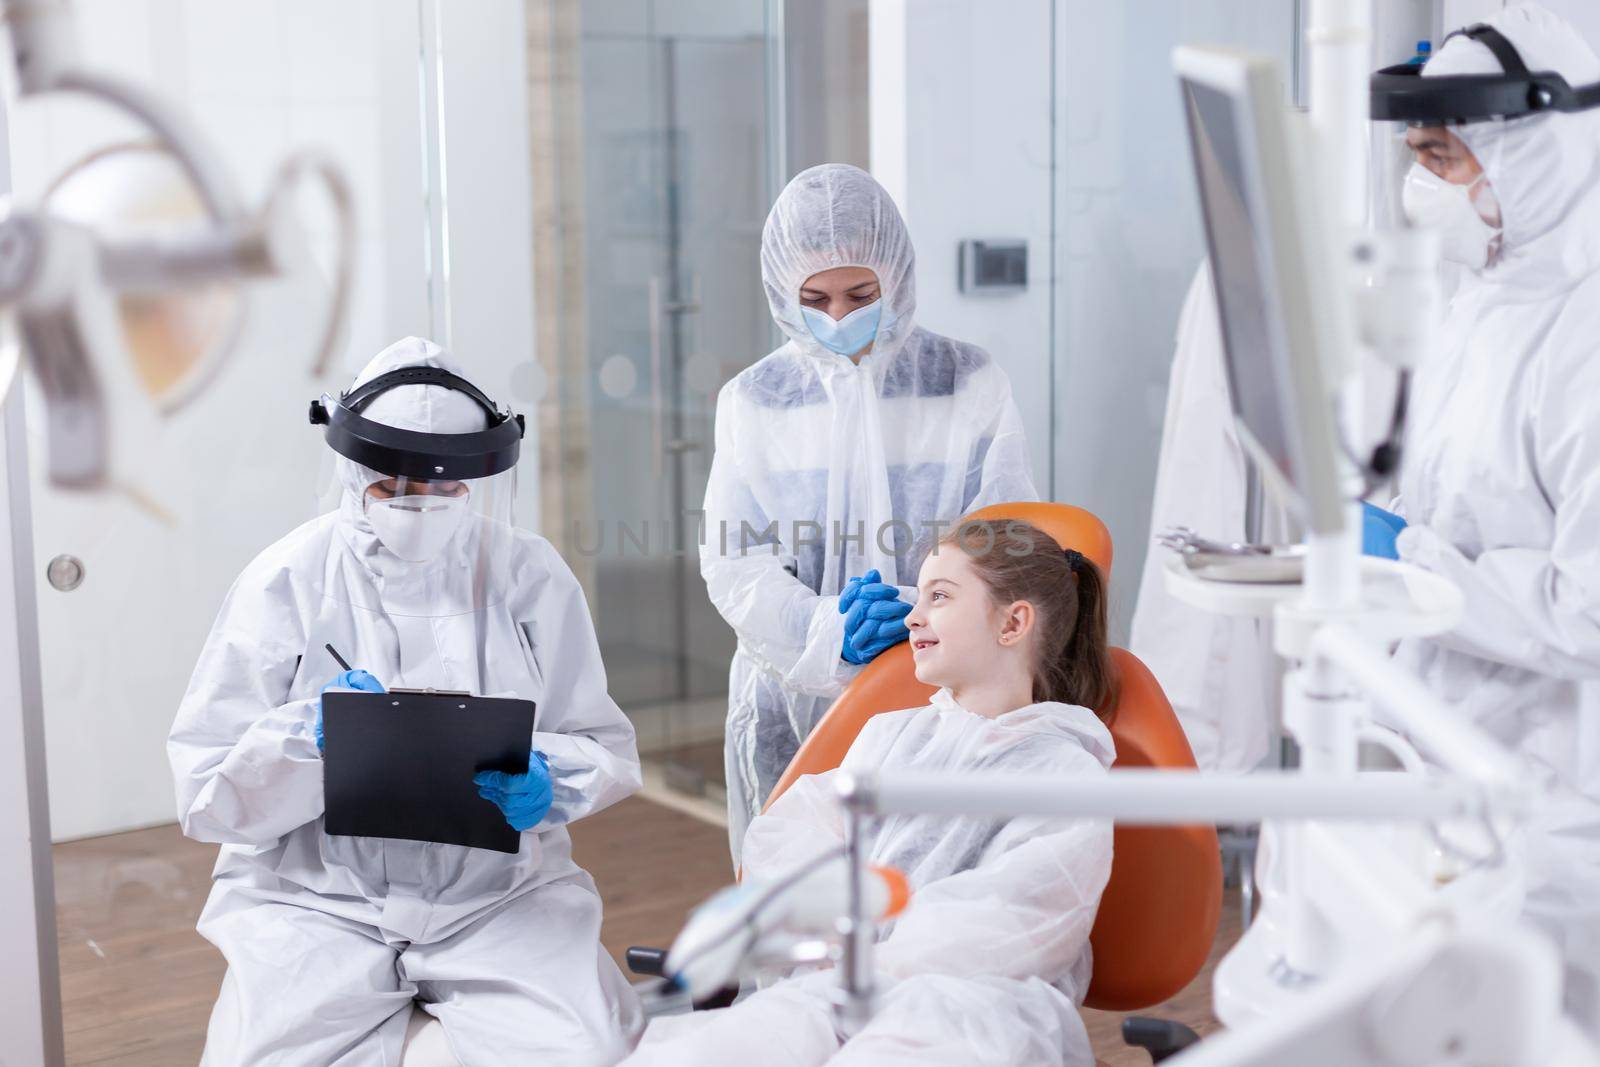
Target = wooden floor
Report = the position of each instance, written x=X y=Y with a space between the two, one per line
x=138 y=982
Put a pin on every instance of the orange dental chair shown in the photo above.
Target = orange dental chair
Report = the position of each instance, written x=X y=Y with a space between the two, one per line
x=1159 y=912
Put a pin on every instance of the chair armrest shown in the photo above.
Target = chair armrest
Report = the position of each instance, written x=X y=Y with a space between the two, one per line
x=1159 y=1037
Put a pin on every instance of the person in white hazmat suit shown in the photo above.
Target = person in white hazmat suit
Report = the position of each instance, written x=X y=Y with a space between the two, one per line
x=990 y=959
x=420 y=582
x=1500 y=478
x=838 y=457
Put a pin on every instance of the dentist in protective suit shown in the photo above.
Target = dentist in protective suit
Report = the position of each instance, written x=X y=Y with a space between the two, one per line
x=1500 y=482
x=419 y=579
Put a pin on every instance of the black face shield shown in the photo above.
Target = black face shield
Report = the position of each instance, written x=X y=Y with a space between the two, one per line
x=1402 y=94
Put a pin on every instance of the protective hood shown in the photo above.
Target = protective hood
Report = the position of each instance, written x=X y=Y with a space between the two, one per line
x=451 y=563
x=1544 y=169
x=836 y=215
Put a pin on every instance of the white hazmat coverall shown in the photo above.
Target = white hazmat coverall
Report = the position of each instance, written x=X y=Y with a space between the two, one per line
x=329 y=939
x=990 y=960
x=1500 y=481
x=825 y=469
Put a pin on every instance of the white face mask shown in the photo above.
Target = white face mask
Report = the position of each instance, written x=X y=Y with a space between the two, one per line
x=416 y=528
x=1456 y=211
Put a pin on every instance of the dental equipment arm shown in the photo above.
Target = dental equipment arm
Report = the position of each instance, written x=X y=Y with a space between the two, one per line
x=1163 y=797
x=729 y=930
x=62 y=279
x=1457 y=744
x=1479 y=996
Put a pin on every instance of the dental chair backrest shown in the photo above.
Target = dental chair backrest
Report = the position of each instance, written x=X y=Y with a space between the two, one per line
x=1159 y=912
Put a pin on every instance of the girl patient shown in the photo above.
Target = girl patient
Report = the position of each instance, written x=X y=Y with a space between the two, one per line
x=989 y=962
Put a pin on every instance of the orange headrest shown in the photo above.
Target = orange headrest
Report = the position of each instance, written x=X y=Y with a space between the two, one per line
x=1071 y=527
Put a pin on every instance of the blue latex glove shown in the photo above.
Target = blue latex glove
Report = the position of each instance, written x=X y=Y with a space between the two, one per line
x=882 y=626
x=524 y=799
x=869 y=586
x=1379 y=529
x=874 y=618
x=874 y=648
x=356 y=679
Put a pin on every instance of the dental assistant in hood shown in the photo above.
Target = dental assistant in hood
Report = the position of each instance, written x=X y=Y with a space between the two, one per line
x=840 y=459
x=419 y=579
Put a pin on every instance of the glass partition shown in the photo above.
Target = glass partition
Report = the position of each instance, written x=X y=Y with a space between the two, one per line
x=652 y=300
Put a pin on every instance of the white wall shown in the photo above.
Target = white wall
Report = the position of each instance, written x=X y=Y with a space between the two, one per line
x=961 y=138
x=240 y=467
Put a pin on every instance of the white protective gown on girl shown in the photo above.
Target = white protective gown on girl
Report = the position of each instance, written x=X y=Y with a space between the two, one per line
x=1501 y=478
x=825 y=469
x=989 y=962
x=329 y=939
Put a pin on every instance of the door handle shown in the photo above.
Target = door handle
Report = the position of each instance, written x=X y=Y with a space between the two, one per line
x=658 y=456
x=65 y=572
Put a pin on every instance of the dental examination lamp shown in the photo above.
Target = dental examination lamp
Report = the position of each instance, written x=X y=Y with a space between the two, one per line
x=126 y=278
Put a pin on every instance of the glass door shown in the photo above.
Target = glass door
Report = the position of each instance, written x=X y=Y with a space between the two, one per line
x=672 y=129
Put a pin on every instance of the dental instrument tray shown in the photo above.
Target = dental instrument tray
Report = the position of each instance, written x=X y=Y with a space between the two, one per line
x=1218 y=561
x=1281 y=565
x=400 y=765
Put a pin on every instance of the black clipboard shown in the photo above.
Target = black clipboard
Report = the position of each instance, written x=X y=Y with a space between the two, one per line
x=400 y=765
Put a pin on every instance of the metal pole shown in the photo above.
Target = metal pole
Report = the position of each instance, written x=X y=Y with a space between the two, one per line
x=30 y=977
x=1187 y=798
x=1462 y=746
x=854 y=1005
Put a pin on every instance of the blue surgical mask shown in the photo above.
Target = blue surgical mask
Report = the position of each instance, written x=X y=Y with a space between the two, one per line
x=848 y=335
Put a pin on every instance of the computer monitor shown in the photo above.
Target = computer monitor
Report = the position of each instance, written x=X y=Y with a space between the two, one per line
x=1281 y=324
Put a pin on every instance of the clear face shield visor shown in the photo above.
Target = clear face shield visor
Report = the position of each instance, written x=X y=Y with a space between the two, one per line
x=1433 y=177
x=427 y=520
x=1441 y=128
